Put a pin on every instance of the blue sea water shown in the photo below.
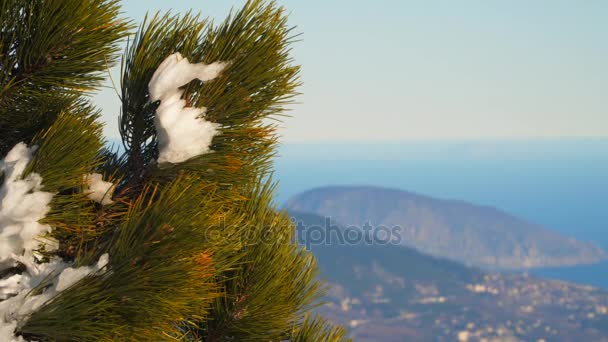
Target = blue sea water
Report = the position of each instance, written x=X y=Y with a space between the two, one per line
x=561 y=184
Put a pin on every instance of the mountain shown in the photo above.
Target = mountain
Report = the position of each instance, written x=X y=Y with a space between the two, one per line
x=457 y=230
x=395 y=293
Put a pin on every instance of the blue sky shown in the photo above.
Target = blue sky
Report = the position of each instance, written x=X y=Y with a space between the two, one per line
x=392 y=70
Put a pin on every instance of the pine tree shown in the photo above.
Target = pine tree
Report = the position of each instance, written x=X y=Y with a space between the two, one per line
x=177 y=237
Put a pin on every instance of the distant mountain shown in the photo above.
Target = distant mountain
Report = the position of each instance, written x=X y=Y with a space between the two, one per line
x=395 y=293
x=461 y=231
x=338 y=262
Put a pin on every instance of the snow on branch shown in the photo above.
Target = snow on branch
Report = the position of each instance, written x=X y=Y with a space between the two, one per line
x=98 y=190
x=182 y=132
x=22 y=205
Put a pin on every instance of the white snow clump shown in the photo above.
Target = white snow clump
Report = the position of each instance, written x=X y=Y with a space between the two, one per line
x=22 y=205
x=98 y=190
x=182 y=132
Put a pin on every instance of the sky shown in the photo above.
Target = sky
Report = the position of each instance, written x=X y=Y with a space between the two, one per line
x=398 y=70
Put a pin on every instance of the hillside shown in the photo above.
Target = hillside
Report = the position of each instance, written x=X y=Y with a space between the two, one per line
x=457 y=230
x=395 y=293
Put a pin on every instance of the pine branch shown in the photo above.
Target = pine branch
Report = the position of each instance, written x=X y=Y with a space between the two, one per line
x=315 y=328
x=51 y=52
x=257 y=84
x=275 y=284
x=162 y=269
x=197 y=249
x=69 y=148
x=157 y=38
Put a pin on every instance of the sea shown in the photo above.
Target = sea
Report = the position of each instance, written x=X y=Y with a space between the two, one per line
x=561 y=184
